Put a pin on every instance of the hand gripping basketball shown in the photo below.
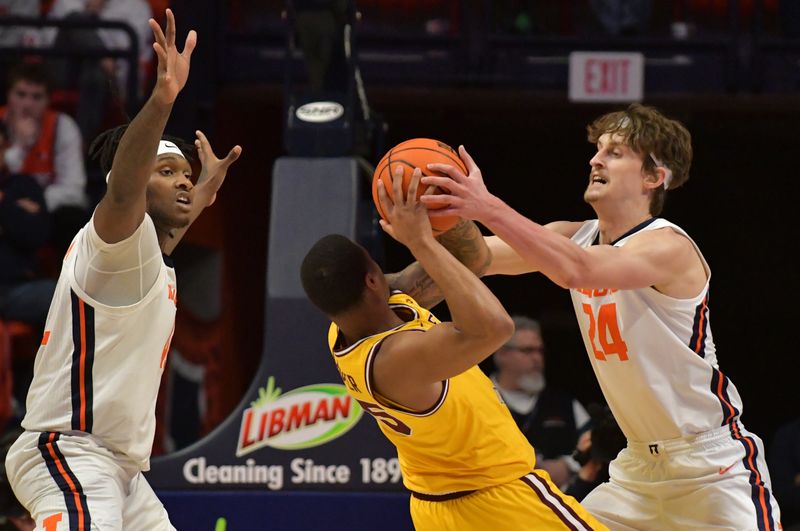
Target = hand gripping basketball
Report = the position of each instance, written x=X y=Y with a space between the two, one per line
x=411 y=154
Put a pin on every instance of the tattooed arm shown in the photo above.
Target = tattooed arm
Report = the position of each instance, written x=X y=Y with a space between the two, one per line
x=465 y=242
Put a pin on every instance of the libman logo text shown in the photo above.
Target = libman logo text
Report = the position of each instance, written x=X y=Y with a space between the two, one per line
x=304 y=417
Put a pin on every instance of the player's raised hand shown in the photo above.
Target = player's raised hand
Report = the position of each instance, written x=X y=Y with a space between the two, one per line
x=406 y=218
x=173 y=66
x=213 y=169
x=468 y=196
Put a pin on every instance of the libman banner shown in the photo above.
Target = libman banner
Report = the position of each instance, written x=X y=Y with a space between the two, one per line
x=305 y=417
x=291 y=440
x=296 y=428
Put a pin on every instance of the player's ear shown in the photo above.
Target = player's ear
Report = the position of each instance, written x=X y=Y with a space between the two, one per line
x=655 y=178
x=371 y=279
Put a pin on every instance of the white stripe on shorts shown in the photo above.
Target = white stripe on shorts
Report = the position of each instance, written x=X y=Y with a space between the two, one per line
x=566 y=513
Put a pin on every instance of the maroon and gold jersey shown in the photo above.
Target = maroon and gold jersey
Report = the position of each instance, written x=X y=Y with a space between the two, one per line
x=466 y=441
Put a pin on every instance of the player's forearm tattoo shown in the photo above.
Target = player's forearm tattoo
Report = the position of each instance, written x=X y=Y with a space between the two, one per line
x=414 y=281
x=466 y=243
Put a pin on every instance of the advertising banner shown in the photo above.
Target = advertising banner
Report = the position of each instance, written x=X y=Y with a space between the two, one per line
x=296 y=428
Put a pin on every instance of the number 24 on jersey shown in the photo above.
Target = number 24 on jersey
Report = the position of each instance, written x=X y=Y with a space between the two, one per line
x=604 y=334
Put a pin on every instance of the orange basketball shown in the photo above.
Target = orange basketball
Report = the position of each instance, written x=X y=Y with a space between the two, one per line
x=416 y=153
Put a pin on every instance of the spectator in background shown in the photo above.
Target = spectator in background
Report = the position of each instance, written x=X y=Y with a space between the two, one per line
x=46 y=145
x=596 y=448
x=12 y=36
x=24 y=228
x=100 y=81
x=24 y=295
x=18 y=36
x=549 y=418
x=784 y=459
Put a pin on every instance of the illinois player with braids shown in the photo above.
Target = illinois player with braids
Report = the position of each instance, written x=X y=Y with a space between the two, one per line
x=640 y=287
x=90 y=415
x=461 y=454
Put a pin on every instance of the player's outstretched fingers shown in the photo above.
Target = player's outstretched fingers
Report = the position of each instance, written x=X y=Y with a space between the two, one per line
x=411 y=196
x=170 y=34
x=397 y=185
x=387 y=204
x=443 y=183
x=444 y=204
x=189 y=45
x=467 y=158
x=453 y=172
x=233 y=155
x=160 y=44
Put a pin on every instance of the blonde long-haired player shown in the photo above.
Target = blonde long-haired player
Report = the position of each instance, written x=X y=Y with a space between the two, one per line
x=640 y=288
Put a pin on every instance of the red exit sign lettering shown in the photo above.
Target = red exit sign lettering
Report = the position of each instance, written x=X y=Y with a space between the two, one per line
x=606 y=76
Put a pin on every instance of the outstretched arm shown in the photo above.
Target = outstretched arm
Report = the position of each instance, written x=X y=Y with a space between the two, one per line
x=212 y=175
x=653 y=258
x=480 y=324
x=465 y=243
x=122 y=208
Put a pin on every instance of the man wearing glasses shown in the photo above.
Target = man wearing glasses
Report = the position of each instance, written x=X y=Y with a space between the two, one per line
x=551 y=419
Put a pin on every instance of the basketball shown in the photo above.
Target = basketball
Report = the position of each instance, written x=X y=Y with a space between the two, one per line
x=411 y=154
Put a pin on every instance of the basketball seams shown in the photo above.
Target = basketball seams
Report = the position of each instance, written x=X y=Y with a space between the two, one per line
x=456 y=161
x=410 y=165
x=390 y=159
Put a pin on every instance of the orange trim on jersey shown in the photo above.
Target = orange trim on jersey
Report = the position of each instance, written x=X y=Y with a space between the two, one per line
x=45 y=337
x=759 y=484
x=724 y=399
x=72 y=488
x=82 y=384
x=71 y=245
x=166 y=347
x=701 y=326
x=83 y=344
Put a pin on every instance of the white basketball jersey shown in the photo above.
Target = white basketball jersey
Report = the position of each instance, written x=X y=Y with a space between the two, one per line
x=654 y=355
x=99 y=367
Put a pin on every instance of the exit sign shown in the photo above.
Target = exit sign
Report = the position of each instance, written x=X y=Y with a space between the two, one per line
x=606 y=76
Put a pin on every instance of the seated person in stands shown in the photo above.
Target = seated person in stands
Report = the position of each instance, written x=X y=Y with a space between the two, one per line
x=24 y=295
x=549 y=418
x=46 y=145
x=102 y=82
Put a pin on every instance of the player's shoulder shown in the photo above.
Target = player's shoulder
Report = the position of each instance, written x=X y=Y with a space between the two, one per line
x=665 y=243
x=566 y=228
x=662 y=230
x=145 y=230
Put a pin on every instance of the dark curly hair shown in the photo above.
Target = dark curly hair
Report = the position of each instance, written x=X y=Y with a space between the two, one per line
x=333 y=273
x=104 y=147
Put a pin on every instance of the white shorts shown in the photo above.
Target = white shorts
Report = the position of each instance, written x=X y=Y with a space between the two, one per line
x=715 y=480
x=70 y=482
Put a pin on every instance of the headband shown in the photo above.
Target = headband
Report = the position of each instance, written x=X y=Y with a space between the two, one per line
x=164 y=147
x=667 y=171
